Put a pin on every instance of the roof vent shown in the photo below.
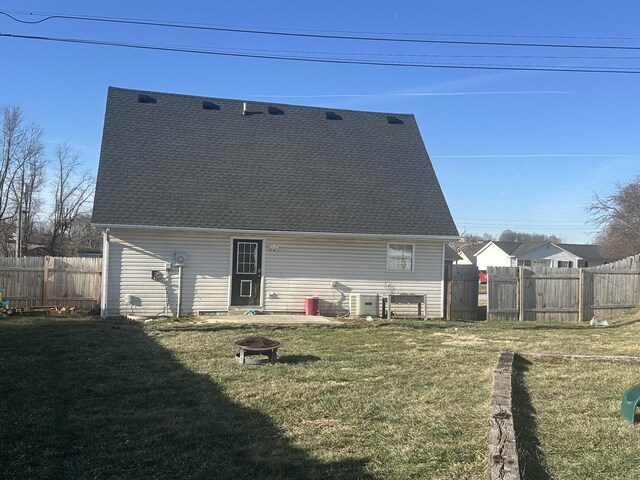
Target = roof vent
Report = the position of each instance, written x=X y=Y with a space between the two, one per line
x=333 y=116
x=394 y=120
x=275 y=111
x=210 y=106
x=247 y=112
x=146 y=99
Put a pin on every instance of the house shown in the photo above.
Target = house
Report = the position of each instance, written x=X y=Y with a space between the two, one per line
x=211 y=204
x=467 y=254
x=39 y=251
x=538 y=254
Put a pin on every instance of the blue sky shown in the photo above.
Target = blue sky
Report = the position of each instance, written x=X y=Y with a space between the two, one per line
x=519 y=150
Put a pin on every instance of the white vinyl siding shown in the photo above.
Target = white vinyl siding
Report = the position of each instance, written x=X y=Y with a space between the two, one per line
x=205 y=274
x=297 y=268
x=294 y=268
x=492 y=256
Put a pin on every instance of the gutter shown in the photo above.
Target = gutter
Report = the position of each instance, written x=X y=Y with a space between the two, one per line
x=233 y=231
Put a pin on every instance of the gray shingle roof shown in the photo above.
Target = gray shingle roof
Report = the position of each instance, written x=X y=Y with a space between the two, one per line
x=526 y=247
x=507 y=247
x=586 y=252
x=451 y=254
x=470 y=250
x=173 y=163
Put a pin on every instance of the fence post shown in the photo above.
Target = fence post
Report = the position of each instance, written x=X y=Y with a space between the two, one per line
x=581 y=299
x=521 y=293
x=45 y=280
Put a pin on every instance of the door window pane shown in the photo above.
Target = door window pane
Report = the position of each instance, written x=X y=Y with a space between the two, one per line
x=247 y=260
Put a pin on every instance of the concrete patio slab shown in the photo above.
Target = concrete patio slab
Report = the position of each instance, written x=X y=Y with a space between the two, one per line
x=271 y=319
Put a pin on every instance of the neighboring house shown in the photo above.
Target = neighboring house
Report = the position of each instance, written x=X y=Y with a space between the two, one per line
x=495 y=254
x=39 y=251
x=212 y=204
x=467 y=254
x=539 y=254
x=450 y=255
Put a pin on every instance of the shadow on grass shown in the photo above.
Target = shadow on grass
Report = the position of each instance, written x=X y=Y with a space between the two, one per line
x=95 y=399
x=531 y=457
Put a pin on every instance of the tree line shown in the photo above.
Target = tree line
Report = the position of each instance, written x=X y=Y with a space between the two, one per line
x=45 y=196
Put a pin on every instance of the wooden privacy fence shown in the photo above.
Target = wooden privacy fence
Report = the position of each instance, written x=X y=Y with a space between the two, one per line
x=51 y=281
x=461 y=292
x=540 y=293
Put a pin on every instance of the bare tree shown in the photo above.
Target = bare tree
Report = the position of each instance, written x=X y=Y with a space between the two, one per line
x=468 y=239
x=83 y=235
x=28 y=184
x=21 y=173
x=73 y=191
x=513 y=236
x=618 y=216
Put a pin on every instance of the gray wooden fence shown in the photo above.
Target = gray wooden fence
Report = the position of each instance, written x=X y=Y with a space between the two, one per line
x=540 y=293
x=51 y=281
x=461 y=295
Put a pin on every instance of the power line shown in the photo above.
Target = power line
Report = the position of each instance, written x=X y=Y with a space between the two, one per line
x=529 y=68
x=425 y=55
x=414 y=34
x=260 y=31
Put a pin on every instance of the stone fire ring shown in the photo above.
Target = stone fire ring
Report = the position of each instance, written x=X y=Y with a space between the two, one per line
x=256 y=355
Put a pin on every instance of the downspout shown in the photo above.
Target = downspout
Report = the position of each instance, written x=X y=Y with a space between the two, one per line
x=179 y=289
x=105 y=274
x=442 y=282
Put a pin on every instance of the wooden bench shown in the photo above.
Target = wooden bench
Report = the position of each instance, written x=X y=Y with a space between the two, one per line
x=630 y=401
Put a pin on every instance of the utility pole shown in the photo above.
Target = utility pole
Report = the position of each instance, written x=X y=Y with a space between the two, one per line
x=20 y=233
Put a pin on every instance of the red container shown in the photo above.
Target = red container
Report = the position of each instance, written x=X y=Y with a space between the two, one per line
x=311 y=306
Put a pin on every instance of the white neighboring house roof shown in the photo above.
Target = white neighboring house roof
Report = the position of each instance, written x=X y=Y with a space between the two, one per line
x=520 y=249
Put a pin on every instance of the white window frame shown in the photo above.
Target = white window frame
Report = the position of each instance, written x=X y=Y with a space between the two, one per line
x=413 y=257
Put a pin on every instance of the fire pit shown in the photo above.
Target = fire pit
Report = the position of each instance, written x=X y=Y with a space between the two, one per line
x=256 y=350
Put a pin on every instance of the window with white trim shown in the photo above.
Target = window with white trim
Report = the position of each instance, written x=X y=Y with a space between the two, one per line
x=565 y=264
x=400 y=257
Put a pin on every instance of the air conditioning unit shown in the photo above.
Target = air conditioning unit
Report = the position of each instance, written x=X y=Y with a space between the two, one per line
x=363 y=304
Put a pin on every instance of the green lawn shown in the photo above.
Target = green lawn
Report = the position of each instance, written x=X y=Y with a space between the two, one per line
x=84 y=398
